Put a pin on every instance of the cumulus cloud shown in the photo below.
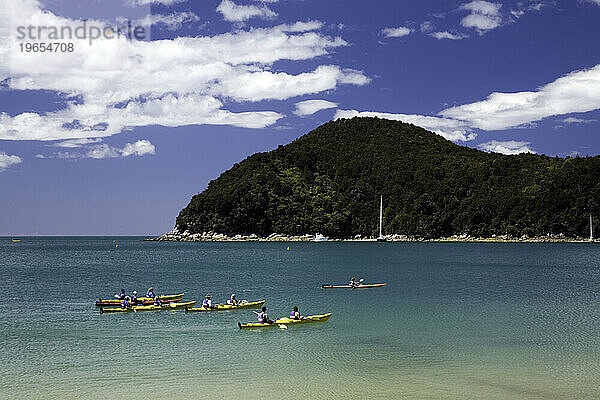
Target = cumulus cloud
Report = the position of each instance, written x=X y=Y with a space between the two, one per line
x=509 y=147
x=103 y=150
x=396 y=32
x=447 y=35
x=139 y=148
x=122 y=84
x=449 y=129
x=309 y=107
x=7 y=160
x=236 y=13
x=483 y=16
x=576 y=92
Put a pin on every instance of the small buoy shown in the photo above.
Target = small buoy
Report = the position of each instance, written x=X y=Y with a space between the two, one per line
x=288 y=249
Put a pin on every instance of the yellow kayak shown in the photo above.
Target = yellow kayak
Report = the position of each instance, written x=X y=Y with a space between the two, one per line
x=169 y=298
x=287 y=321
x=227 y=307
x=174 y=306
x=107 y=310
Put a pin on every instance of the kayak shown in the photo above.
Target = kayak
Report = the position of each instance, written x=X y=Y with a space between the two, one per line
x=174 y=306
x=152 y=307
x=361 y=286
x=130 y=309
x=227 y=307
x=287 y=321
x=169 y=298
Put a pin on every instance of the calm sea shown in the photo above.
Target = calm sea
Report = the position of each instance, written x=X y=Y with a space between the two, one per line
x=456 y=321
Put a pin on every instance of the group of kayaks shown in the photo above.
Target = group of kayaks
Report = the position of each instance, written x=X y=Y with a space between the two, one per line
x=169 y=302
x=174 y=302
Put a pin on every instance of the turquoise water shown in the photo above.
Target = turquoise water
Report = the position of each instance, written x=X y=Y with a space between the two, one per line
x=457 y=321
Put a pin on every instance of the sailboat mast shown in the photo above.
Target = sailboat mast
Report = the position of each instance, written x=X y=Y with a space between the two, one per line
x=591 y=229
x=381 y=217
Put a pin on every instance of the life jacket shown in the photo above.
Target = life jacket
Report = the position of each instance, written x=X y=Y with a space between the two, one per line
x=134 y=299
x=206 y=303
x=124 y=304
x=293 y=314
x=229 y=301
x=262 y=316
x=157 y=301
x=149 y=293
x=120 y=296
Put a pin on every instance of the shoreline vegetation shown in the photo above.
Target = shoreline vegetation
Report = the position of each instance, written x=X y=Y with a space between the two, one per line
x=331 y=181
x=176 y=236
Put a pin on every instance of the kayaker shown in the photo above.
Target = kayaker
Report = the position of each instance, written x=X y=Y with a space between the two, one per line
x=126 y=302
x=207 y=302
x=233 y=301
x=263 y=318
x=295 y=314
x=134 y=299
x=121 y=295
x=353 y=282
x=157 y=301
x=150 y=293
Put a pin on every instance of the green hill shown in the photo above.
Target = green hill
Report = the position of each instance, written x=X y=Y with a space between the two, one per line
x=330 y=180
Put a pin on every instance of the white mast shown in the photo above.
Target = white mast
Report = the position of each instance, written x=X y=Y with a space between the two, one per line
x=381 y=218
x=591 y=229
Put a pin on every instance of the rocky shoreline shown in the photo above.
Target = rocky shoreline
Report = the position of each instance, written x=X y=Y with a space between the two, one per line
x=176 y=236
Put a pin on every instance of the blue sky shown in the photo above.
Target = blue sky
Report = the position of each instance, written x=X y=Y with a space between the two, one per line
x=116 y=136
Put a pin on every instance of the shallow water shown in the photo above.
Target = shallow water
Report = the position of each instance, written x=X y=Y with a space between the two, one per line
x=457 y=321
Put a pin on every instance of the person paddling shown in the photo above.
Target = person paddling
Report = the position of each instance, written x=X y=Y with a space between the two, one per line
x=233 y=301
x=295 y=314
x=157 y=301
x=263 y=317
x=121 y=295
x=207 y=302
x=150 y=293
x=134 y=298
x=126 y=302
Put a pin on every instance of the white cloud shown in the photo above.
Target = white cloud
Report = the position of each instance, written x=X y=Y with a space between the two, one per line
x=236 y=13
x=139 y=148
x=171 y=21
x=72 y=143
x=573 y=120
x=261 y=85
x=309 y=107
x=396 y=32
x=126 y=83
x=7 y=160
x=102 y=151
x=483 y=15
x=449 y=129
x=576 y=92
x=509 y=147
x=447 y=35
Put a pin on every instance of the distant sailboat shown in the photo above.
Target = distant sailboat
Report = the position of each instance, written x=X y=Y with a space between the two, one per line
x=591 y=229
x=381 y=238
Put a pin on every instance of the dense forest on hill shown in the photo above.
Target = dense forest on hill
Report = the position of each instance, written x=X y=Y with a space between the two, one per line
x=330 y=180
